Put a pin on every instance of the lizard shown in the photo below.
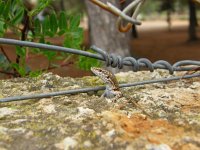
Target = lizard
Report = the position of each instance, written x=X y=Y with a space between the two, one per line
x=112 y=87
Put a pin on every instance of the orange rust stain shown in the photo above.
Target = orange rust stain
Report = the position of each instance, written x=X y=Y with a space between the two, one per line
x=155 y=131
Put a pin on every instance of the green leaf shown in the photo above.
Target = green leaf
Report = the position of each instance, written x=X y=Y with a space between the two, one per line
x=74 y=39
x=1 y=28
x=7 y=9
x=18 y=17
x=59 y=57
x=42 y=4
x=49 y=54
x=62 y=23
x=46 y=26
x=15 y=6
x=21 y=51
x=36 y=51
x=21 y=70
x=53 y=23
x=86 y=63
x=37 y=27
x=42 y=40
x=35 y=73
x=2 y=7
x=74 y=22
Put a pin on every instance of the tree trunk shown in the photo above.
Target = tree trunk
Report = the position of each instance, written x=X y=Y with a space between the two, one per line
x=103 y=30
x=62 y=5
x=169 y=21
x=193 y=21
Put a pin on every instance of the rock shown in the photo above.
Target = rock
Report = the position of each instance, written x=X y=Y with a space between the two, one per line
x=1 y=96
x=82 y=121
x=18 y=121
x=18 y=130
x=3 y=130
x=5 y=111
x=162 y=114
x=111 y=133
x=29 y=134
x=88 y=144
x=191 y=140
x=194 y=85
x=66 y=101
x=67 y=143
x=84 y=112
x=49 y=109
x=158 y=147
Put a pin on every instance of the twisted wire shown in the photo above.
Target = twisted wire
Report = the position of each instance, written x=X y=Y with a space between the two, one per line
x=112 y=59
x=139 y=64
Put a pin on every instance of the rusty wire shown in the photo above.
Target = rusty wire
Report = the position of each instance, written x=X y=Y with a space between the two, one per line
x=134 y=7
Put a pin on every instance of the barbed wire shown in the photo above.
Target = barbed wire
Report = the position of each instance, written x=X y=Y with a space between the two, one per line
x=142 y=63
x=112 y=60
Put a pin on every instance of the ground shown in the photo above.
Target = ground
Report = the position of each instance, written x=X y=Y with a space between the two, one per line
x=156 y=42
x=86 y=121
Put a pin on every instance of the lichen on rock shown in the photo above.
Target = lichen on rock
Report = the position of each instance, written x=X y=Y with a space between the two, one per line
x=86 y=121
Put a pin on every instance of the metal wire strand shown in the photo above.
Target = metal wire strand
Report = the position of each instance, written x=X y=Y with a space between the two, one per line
x=85 y=90
x=136 y=4
x=123 y=15
x=112 y=60
x=142 y=63
x=114 y=10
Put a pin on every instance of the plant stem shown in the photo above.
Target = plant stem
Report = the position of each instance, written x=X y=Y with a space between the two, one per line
x=15 y=74
x=62 y=65
x=24 y=32
x=23 y=36
x=3 y=51
x=7 y=73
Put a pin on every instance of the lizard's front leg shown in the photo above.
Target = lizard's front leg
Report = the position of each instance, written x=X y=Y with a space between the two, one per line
x=110 y=94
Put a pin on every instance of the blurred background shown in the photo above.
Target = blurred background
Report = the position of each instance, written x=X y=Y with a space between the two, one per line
x=170 y=31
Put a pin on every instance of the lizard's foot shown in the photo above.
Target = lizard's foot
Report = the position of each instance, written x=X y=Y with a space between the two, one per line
x=108 y=100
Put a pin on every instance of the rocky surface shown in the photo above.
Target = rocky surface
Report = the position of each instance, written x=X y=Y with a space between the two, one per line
x=85 y=121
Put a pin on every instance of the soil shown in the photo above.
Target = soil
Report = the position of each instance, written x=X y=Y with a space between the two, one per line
x=155 y=42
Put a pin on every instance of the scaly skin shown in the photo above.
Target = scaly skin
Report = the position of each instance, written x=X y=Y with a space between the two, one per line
x=112 y=86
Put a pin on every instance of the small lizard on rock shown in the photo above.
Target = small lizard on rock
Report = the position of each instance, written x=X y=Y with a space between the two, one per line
x=112 y=86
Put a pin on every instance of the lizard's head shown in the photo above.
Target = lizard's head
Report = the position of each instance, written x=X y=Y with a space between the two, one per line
x=105 y=75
